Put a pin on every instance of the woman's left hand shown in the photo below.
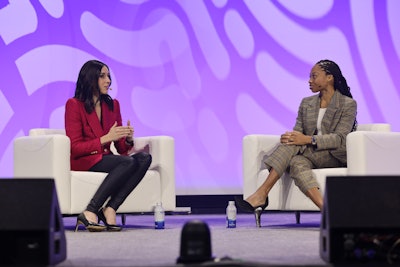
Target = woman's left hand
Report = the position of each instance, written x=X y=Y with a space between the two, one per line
x=294 y=138
x=129 y=137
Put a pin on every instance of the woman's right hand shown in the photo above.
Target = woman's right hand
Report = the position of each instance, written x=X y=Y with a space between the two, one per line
x=115 y=133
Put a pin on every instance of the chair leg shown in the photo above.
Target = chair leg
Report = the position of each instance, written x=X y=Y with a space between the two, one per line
x=297 y=213
x=123 y=218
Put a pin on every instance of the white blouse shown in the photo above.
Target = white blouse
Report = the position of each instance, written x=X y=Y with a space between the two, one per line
x=321 y=114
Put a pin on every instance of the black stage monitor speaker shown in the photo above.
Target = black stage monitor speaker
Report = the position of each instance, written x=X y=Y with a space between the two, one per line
x=195 y=243
x=361 y=220
x=31 y=226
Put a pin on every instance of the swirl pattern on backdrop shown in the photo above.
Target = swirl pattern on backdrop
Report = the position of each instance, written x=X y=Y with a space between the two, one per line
x=205 y=72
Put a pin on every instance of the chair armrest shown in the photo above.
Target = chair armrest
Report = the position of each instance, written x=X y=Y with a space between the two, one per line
x=255 y=149
x=373 y=153
x=46 y=156
x=376 y=127
x=162 y=150
x=45 y=131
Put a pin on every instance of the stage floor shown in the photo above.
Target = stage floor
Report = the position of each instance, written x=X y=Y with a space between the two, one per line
x=279 y=242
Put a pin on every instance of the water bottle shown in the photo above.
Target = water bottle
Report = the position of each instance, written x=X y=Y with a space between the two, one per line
x=159 y=216
x=231 y=215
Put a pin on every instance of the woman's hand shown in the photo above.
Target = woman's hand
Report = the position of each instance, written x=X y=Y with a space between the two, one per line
x=129 y=137
x=294 y=138
x=285 y=138
x=117 y=132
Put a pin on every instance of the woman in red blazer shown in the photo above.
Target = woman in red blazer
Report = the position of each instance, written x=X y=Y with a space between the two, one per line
x=92 y=122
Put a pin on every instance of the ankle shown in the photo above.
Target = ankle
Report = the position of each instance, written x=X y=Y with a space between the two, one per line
x=110 y=215
x=108 y=211
x=90 y=216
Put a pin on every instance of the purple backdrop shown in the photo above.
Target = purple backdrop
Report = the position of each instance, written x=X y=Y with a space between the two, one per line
x=205 y=72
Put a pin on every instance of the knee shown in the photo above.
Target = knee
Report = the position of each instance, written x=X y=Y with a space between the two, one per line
x=144 y=158
x=295 y=162
x=127 y=161
x=298 y=165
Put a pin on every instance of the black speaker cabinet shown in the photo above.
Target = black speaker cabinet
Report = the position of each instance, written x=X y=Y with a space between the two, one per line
x=361 y=220
x=31 y=226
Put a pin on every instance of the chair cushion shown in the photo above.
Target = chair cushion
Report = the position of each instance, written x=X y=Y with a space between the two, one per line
x=142 y=199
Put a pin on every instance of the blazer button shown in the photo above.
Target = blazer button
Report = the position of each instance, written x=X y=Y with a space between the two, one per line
x=105 y=149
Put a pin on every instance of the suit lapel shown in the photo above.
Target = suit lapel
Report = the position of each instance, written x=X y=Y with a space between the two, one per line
x=328 y=119
x=107 y=116
x=94 y=123
x=313 y=114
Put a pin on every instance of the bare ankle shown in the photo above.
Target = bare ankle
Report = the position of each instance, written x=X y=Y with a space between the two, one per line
x=90 y=216
x=110 y=215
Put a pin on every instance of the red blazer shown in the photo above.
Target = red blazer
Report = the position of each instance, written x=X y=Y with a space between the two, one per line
x=84 y=130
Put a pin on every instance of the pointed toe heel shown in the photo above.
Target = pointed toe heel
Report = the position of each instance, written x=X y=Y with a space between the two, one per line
x=90 y=226
x=109 y=227
x=247 y=207
x=243 y=205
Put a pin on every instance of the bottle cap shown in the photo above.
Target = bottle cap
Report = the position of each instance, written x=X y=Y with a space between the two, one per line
x=231 y=202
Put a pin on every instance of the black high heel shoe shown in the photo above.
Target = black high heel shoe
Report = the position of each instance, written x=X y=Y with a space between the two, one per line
x=92 y=227
x=110 y=227
x=247 y=207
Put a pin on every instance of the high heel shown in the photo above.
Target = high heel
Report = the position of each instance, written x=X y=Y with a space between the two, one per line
x=247 y=207
x=92 y=227
x=110 y=227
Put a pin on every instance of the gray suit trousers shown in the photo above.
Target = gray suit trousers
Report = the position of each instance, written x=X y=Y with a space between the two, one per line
x=299 y=161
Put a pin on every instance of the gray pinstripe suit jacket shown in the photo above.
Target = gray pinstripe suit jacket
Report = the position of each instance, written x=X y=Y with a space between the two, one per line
x=337 y=122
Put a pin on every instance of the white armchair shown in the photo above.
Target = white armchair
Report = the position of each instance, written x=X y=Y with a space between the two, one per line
x=370 y=150
x=45 y=153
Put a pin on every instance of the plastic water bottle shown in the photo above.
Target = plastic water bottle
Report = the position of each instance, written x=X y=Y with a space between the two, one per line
x=159 y=216
x=231 y=215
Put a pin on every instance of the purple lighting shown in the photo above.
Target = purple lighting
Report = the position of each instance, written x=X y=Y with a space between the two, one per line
x=204 y=72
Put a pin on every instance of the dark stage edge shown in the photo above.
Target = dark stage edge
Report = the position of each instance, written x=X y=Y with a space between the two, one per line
x=205 y=204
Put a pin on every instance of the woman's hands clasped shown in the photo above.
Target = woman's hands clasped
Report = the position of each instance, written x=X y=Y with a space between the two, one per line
x=294 y=138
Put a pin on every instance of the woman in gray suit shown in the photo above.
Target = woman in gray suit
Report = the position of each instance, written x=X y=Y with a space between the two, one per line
x=318 y=139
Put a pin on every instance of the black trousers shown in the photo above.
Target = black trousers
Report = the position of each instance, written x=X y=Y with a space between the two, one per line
x=124 y=174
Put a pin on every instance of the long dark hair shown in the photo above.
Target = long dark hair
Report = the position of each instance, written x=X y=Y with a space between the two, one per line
x=88 y=83
x=339 y=82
